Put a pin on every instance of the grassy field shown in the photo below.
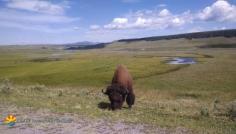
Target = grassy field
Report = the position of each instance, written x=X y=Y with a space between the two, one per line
x=200 y=97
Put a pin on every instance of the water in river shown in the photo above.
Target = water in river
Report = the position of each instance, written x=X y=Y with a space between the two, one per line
x=182 y=60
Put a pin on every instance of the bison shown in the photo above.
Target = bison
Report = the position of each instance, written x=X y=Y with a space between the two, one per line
x=121 y=88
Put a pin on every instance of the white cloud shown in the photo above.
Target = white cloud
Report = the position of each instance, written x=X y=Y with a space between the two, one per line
x=36 y=6
x=223 y=28
x=177 y=21
x=117 y=23
x=141 y=22
x=164 y=12
x=161 y=5
x=24 y=17
x=120 y=20
x=220 y=28
x=220 y=11
x=94 y=27
x=195 y=29
x=105 y=35
x=35 y=15
x=76 y=28
x=150 y=19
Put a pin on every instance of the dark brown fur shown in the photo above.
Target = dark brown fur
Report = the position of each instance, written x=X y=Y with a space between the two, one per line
x=121 y=88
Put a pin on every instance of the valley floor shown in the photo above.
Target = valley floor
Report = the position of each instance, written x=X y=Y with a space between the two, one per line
x=170 y=98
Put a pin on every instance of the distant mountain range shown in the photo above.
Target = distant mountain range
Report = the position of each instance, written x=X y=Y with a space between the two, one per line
x=81 y=43
x=207 y=34
x=84 y=45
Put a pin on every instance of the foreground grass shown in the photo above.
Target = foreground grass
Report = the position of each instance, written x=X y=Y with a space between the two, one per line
x=185 y=111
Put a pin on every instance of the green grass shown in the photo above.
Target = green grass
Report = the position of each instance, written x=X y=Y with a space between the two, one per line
x=80 y=70
x=167 y=95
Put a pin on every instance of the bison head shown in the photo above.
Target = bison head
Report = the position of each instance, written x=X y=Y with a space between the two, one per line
x=116 y=94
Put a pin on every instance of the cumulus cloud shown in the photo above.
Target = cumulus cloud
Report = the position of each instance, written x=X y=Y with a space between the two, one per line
x=149 y=19
x=36 y=6
x=164 y=12
x=117 y=23
x=220 y=11
x=120 y=20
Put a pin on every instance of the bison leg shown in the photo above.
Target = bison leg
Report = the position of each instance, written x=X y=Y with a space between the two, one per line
x=130 y=99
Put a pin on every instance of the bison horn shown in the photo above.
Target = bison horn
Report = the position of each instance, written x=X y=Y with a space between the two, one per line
x=127 y=91
x=103 y=91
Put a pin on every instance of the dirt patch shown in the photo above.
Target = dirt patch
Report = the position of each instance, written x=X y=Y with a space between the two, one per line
x=44 y=121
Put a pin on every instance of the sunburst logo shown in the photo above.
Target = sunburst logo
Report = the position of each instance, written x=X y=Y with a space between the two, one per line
x=10 y=120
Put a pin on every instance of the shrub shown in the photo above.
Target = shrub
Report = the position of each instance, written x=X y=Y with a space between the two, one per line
x=231 y=110
x=225 y=109
x=215 y=108
x=60 y=93
x=204 y=111
x=6 y=86
x=37 y=87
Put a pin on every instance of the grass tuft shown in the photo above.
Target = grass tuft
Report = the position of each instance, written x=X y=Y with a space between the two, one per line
x=6 y=86
x=204 y=111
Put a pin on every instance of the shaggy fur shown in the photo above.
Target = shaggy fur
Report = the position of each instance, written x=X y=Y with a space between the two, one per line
x=121 y=88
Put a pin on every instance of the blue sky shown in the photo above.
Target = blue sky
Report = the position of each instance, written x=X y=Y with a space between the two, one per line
x=66 y=21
